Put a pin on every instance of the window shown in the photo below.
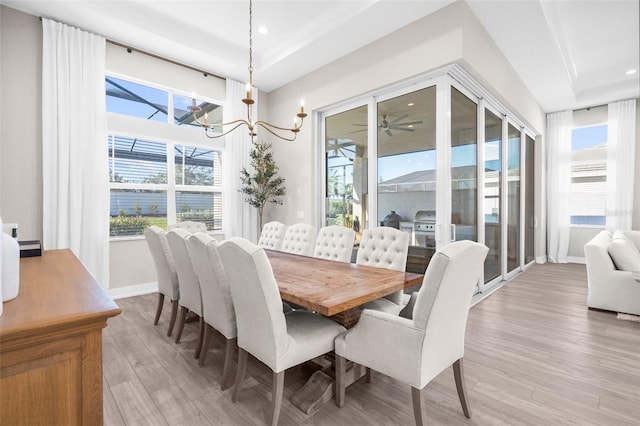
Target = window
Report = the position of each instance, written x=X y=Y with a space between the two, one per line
x=155 y=181
x=588 y=175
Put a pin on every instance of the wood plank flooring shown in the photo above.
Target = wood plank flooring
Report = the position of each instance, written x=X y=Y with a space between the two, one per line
x=535 y=355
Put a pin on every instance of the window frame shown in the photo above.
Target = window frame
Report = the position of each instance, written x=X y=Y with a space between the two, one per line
x=596 y=123
x=172 y=135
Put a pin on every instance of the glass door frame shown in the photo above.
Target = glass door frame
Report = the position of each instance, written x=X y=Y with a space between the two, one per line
x=483 y=105
x=321 y=173
x=443 y=79
x=373 y=135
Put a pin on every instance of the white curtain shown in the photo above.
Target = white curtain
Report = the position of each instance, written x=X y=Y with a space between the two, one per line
x=241 y=219
x=621 y=141
x=559 y=127
x=74 y=146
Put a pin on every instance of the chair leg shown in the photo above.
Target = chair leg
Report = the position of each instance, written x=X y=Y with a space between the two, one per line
x=181 y=321
x=417 y=405
x=232 y=344
x=278 y=387
x=205 y=344
x=369 y=375
x=174 y=314
x=159 y=308
x=458 y=374
x=340 y=385
x=242 y=367
x=201 y=335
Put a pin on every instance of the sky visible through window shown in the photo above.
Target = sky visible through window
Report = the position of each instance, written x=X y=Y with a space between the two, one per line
x=588 y=137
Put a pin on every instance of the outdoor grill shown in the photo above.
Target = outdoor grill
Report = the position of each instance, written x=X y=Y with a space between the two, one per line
x=424 y=226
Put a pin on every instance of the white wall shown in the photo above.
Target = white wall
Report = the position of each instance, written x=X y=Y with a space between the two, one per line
x=20 y=122
x=451 y=35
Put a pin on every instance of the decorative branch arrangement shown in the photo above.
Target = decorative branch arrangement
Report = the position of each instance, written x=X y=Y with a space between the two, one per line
x=263 y=185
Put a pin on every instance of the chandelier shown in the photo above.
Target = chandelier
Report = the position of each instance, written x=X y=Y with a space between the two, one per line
x=248 y=101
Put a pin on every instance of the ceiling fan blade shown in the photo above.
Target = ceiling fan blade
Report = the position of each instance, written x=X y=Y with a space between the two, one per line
x=354 y=124
x=388 y=132
x=394 y=121
x=407 y=123
x=404 y=129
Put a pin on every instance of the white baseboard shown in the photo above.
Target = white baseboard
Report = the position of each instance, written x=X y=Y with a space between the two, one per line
x=133 y=290
x=541 y=259
x=574 y=259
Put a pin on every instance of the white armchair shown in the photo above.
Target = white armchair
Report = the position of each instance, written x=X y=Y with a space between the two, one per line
x=277 y=339
x=609 y=286
x=217 y=307
x=384 y=247
x=190 y=296
x=415 y=350
x=272 y=235
x=335 y=243
x=165 y=271
x=300 y=239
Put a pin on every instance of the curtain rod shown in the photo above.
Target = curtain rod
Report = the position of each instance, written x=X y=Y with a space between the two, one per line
x=152 y=55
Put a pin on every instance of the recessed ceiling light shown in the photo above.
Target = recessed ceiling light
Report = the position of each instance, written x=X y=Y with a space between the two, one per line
x=631 y=72
x=262 y=29
x=410 y=104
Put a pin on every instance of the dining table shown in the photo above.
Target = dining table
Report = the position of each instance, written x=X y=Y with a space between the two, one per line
x=336 y=290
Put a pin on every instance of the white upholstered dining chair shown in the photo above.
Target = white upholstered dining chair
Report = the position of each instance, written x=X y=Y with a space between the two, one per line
x=416 y=348
x=217 y=307
x=165 y=271
x=272 y=235
x=300 y=238
x=335 y=243
x=384 y=247
x=190 y=296
x=277 y=339
x=190 y=226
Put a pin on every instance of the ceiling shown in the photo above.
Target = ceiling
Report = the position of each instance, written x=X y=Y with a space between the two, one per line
x=570 y=54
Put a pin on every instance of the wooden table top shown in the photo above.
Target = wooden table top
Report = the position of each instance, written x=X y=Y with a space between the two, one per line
x=330 y=287
x=55 y=291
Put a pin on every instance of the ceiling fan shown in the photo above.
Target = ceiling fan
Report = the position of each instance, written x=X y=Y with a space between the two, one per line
x=395 y=124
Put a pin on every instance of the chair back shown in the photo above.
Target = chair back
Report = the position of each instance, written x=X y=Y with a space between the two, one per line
x=190 y=296
x=443 y=302
x=335 y=243
x=217 y=306
x=272 y=235
x=300 y=239
x=384 y=247
x=190 y=226
x=163 y=260
x=262 y=329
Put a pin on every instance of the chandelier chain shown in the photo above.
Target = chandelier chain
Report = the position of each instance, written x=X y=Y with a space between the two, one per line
x=248 y=101
x=251 y=39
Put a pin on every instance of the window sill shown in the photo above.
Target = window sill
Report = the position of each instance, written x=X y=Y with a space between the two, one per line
x=141 y=237
x=603 y=227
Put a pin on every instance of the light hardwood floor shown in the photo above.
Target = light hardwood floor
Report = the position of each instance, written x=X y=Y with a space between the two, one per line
x=534 y=356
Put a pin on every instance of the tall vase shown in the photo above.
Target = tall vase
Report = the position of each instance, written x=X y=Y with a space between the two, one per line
x=10 y=268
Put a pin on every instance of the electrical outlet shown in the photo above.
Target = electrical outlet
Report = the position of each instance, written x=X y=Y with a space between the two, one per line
x=300 y=215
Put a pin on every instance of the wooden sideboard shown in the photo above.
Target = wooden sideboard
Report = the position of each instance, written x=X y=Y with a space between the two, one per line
x=51 y=344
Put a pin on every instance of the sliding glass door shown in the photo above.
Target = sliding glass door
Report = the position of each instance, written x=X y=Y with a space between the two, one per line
x=479 y=187
x=492 y=206
x=345 y=148
x=464 y=167
x=513 y=198
x=406 y=170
